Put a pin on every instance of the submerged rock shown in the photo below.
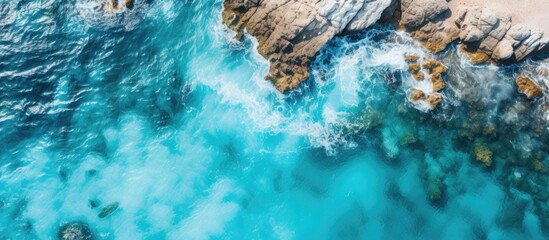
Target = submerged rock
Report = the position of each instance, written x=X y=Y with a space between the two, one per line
x=435 y=190
x=407 y=139
x=108 y=210
x=489 y=131
x=540 y=167
x=528 y=87
x=94 y=203
x=74 y=231
x=371 y=119
x=483 y=154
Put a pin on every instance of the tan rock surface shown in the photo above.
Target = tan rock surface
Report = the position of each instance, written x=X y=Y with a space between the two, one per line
x=434 y=100
x=528 y=87
x=290 y=33
x=433 y=66
x=437 y=81
x=490 y=29
x=475 y=55
x=417 y=95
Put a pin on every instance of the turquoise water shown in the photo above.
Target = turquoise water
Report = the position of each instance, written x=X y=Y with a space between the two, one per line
x=158 y=109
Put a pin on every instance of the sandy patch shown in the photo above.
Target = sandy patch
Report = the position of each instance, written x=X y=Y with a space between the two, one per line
x=534 y=13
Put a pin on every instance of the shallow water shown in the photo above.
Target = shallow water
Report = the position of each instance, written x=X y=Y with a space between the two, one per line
x=158 y=109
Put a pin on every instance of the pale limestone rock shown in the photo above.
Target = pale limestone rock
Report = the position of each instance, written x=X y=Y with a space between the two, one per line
x=472 y=28
x=369 y=14
x=503 y=51
x=416 y=13
x=519 y=32
x=530 y=44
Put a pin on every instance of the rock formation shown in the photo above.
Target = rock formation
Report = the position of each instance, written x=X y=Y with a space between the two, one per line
x=434 y=71
x=483 y=154
x=108 y=210
x=415 y=69
x=417 y=95
x=528 y=87
x=485 y=34
x=290 y=33
x=434 y=100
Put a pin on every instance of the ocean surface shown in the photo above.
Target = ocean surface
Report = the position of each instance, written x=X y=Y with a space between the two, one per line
x=154 y=123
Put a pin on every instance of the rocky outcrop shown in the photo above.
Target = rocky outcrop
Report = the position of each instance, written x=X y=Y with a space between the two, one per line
x=434 y=70
x=415 y=69
x=417 y=95
x=485 y=34
x=290 y=33
x=527 y=87
x=416 y=13
x=424 y=19
x=434 y=100
x=496 y=36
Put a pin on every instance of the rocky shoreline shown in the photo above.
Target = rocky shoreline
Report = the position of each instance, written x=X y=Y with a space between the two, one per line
x=290 y=33
x=485 y=35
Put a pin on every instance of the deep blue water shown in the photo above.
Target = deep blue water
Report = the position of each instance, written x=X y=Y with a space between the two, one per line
x=158 y=109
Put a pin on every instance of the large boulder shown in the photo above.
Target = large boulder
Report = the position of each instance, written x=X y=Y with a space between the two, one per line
x=416 y=13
